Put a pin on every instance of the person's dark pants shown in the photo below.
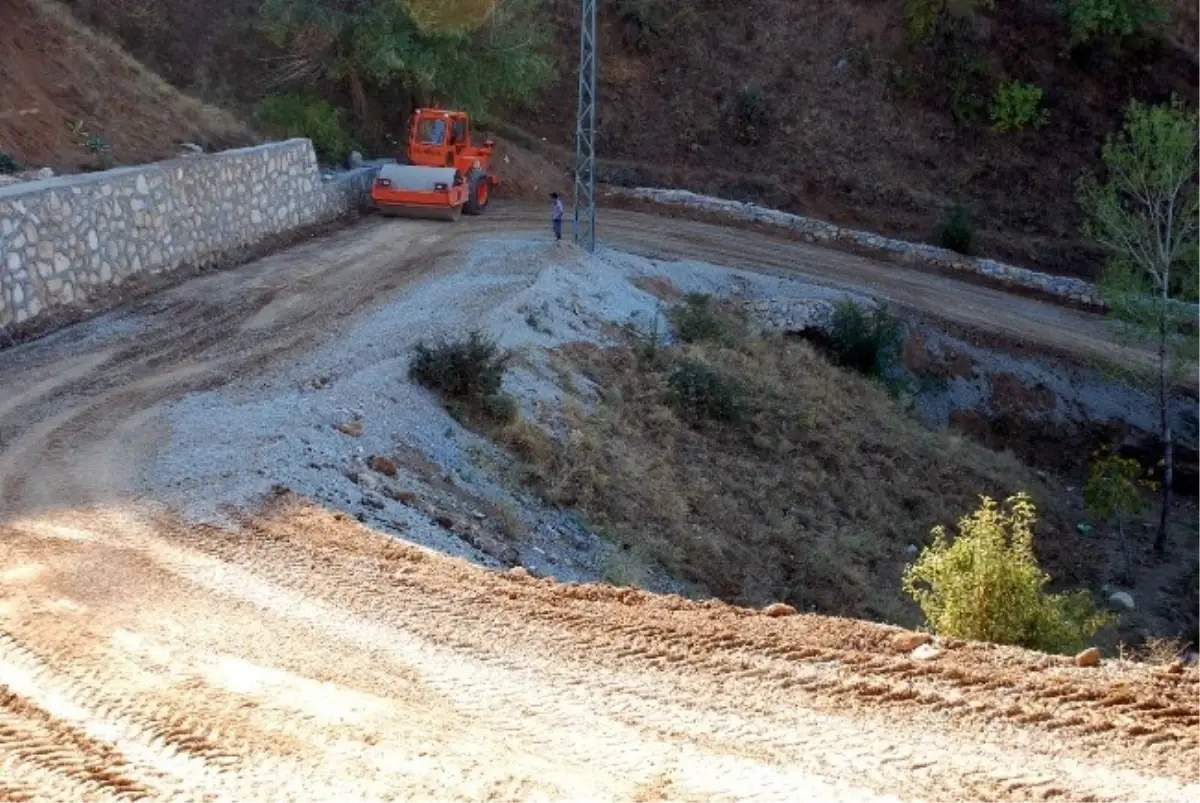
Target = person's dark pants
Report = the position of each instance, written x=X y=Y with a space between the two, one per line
x=558 y=229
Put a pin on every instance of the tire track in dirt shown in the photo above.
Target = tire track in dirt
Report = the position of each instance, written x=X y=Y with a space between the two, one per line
x=647 y=648
x=890 y=682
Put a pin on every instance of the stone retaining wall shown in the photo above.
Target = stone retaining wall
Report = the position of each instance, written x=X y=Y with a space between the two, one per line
x=818 y=231
x=65 y=238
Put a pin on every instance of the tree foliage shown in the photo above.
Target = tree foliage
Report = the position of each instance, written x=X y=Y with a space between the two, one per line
x=986 y=584
x=1144 y=213
x=297 y=114
x=468 y=53
x=928 y=17
x=449 y=15
x=1114 y=488
x=1113 y=19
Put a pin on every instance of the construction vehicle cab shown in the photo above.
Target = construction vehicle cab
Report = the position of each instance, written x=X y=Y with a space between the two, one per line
x=445 y=174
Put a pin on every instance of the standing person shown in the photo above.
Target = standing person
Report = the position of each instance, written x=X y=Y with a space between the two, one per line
x=557 y=215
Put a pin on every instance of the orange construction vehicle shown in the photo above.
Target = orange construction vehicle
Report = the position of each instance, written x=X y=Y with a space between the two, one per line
x=446 y=174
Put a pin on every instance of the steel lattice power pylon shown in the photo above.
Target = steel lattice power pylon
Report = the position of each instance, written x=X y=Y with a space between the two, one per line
x=585 y=131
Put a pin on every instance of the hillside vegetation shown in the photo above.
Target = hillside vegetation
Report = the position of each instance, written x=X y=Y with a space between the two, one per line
x=884 y=114
x=71 y=98
x=844 y=111
x=753 y=469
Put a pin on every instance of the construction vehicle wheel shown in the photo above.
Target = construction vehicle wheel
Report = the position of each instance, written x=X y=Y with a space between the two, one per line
x=478 y=193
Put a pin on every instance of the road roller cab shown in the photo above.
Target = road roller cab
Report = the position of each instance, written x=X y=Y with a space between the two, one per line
x=445 y=172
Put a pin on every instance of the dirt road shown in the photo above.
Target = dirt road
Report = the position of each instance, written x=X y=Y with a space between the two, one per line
x=298 y=655
x=1029 y=322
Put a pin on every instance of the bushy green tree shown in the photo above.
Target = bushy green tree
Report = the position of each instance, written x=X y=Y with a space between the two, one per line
x=986 y=584
x=465 y=53
x=1017 y=106
x=296 y=114
x=1114 y=19
x=1144 y=213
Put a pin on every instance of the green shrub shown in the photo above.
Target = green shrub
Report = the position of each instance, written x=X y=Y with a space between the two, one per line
x=467 y=373
x=956 y=232
x=699 y=392
x=902 y=81
x=8 y=163
x=297 y=114
x=98 y=146
x=699 y=319
x=986 y=585
x=1017 y=106
x=1113 y=19
x=866 y=341
x=752 y=115
x=968 y=78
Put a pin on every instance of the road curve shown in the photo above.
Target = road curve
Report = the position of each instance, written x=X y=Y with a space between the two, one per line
x=1040 y=325
x=297 y=655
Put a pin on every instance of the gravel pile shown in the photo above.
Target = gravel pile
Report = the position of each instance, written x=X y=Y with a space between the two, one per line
x=313 y=425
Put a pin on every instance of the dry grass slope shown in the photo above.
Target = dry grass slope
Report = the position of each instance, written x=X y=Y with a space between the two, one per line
x=812 y=496
x=58 y=72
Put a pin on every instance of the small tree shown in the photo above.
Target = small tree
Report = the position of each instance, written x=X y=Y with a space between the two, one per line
x=1113 y=492
x=1144 y=213
x=1112 y=19
x=986 y=584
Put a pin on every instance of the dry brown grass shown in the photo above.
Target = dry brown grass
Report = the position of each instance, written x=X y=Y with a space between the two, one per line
x=1157 y=651
x=76 y=75
x=98 y=50
x=811 y=498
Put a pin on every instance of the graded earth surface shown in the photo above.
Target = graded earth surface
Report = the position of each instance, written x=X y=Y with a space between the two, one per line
x=278 y=648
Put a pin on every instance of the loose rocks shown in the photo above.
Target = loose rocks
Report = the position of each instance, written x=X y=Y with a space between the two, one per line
x=777 y=609
x=818 y=231
x=382 y=465
x=926 y=652
x=907 y=642
x=1122 y=599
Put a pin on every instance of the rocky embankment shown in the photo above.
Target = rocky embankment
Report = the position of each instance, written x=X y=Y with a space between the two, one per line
x=1065 y=288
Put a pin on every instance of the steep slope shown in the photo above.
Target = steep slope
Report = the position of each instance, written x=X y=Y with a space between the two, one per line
x=62 y=81
x=827 y=109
